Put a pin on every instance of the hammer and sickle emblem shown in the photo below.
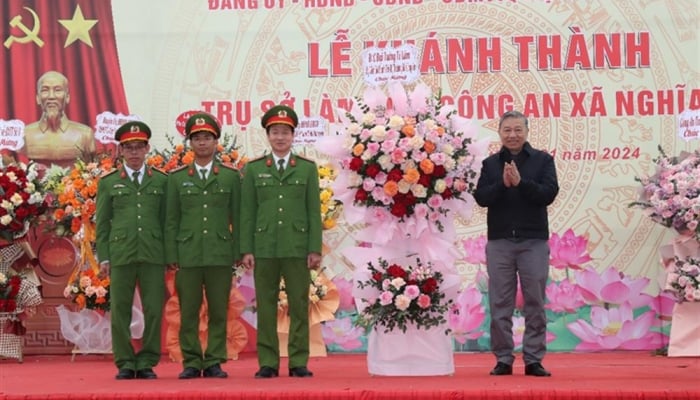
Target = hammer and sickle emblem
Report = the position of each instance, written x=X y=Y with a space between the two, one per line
x=31 y=35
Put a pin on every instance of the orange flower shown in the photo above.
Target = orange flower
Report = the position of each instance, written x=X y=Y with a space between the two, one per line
x=220 y=148
x=75 y=225
x=358 y=149
x=225 y=159
x=441 y=130
x=429 y=146
x=391 y=188
x=427 y=166
x=408 y=130
x=411 y=175
x=188 y=158
x=180 y=148
x=80 y=300
x=58 y=214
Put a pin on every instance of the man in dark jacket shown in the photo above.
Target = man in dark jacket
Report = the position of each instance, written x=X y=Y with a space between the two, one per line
x=517 y=184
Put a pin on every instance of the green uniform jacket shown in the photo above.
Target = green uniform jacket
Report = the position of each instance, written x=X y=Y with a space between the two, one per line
x=281 y=215
x=130 y=218
x=201 y=223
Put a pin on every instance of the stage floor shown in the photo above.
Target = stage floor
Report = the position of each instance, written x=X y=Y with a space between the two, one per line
x=613 y=375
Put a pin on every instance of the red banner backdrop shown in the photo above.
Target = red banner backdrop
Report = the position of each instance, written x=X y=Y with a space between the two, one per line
x=73 y=37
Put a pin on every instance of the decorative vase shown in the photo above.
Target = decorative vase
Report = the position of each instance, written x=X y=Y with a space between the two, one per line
x=416 y=352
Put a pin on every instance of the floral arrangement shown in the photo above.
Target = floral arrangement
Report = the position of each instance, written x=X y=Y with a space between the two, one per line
x=330 y=207
x=88 y=289
x=408 y=295
x=9 y=288
x=181 y=154
x=21 y=199
x=411 y=156
x=74 y=195
x=684 y=279
x=671 y=196
x=318 y=289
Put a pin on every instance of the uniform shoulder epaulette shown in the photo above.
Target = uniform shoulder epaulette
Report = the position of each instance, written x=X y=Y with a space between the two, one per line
x=178 y=169
x=305 y=158
x=262 y=157
x=229 y=166
x=110 y=172
x=159 y=170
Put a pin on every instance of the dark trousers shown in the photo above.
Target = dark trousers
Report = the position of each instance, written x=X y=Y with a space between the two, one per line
x=297 y=278
x=192 y=284
x=506 y=262
x=124 y=279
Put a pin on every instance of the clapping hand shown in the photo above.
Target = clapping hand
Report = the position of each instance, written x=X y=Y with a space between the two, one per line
x=511 y=175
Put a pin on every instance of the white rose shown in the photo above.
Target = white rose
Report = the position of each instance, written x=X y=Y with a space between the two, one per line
x=378 y=133
x=385 y=162
x=448 y=149
x=419 y=191
x=5 y=220
x=368 y=119
x=7 y=205
x=404 y=186
x=440 y=185
x=16 y=199
x=396 y=122
x=3 y=279
x=429 y=124
x=354 y=129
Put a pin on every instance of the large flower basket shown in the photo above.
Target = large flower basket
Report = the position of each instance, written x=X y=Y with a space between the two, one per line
x=89 y=330
x=417 y=352
x=10 y=344
x=685 y=330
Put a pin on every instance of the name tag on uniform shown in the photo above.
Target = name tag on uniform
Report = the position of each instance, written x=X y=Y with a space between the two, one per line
x=264 y=176
x=187 y=183
x=118 y=186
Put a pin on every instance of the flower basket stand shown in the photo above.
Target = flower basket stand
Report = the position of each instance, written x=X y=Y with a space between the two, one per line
x=417 y=352
x=10 y=344
x=685 y=330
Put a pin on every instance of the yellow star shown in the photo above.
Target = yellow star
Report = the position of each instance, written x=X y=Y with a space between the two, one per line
x=78 y=28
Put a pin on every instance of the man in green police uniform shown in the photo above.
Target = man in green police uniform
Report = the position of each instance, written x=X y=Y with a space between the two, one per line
x=130 y=216
x=201 y=244
x=281 y=237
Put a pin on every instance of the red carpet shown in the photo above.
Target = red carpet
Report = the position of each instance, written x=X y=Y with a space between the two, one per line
x=607 y=376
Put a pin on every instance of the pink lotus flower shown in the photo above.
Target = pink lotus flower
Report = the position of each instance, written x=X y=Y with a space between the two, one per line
x=344 y=286
x=475 y=249
x=563 y=297
x=616 y=328
x=663 y=305
x=519 y=333
x=568 y=251
x=612 y=287
x=342 y=333
x=467 y=315
x=519 y=299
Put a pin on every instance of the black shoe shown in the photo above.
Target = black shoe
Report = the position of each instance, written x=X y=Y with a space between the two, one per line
x=189 y=373
x=125 y=374
x=266 y=372
x=146 y=373
x=536 y=369
x=300 y=372
x=502 y=368
x=214 y=371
